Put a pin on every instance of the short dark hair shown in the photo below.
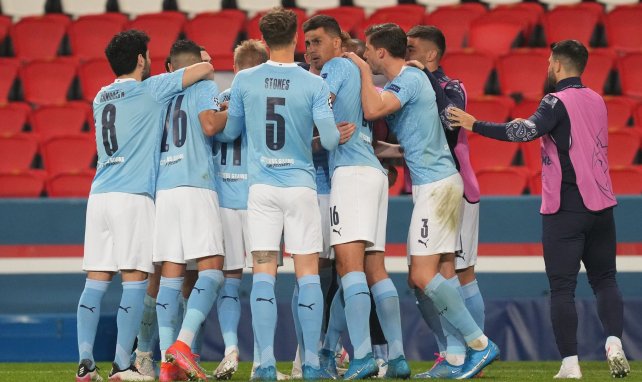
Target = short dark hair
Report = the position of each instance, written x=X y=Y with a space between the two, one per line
x=123 y=50
x=429 y=33
x=572 y=52
x=187 y=47
x=278 y=27
x=328 y=23
x=389 y=37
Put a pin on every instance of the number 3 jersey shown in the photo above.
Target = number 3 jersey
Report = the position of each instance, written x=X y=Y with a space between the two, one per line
x=280 y=103
x=185 y=151
x=230 y=164
x=127 y=114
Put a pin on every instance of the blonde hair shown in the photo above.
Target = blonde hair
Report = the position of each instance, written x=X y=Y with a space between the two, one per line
x=249 y=53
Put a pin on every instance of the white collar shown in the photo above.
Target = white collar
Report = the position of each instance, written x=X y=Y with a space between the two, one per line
x=121 y=80
x=281 y=64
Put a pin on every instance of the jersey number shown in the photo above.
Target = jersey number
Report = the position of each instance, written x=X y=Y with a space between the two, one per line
x=236 y=153
x=334 y=216
x=178 y=122
x=109 y=129
x=275 y=124
x=366 y=123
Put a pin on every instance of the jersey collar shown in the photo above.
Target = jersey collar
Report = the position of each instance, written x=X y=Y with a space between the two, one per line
x=121 y=80
x=283 y=65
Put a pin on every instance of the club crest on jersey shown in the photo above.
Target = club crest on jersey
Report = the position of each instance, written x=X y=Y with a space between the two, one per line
x=394 y=88
x=324 y=75
x=330 y=101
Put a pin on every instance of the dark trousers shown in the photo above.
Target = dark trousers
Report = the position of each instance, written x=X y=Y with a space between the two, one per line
x=568 y=239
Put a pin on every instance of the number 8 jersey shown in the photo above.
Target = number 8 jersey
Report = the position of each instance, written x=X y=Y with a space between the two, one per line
x=186 y=152
x=279 y=103
x=127 y=115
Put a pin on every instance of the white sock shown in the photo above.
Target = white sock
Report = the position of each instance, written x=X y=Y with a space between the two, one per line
x=455 y=359
x=479 y=343
x=612 y=341
x=230 y=349
x=570 y=361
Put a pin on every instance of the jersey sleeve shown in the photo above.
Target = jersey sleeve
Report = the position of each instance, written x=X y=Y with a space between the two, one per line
x=206 y=96
x=164 y=86
x=334 y=72
x=322 y=103
x=236 y=108
x=404 y=87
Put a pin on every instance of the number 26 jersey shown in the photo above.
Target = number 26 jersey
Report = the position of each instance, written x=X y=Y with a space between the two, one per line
x=128 y=132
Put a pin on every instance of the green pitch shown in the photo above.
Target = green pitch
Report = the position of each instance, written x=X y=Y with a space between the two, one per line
x=498 y=371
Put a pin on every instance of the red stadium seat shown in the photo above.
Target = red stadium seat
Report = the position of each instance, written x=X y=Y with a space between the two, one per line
x=406 y=16
x=5 y=25
x=73 y=152
x=624 y=29
x=93 y=75
x=37 y=37
x=22 y=184
x=454 y=22
x=397 y=186
x=347 y=17
x=513 y=13
x=631 y=75
x=489 y=108
x=626 y=180
x=535 y=183
x=163 y=29
x=471 y=68
x=89 y=35
x=624 y=144
x=17 y=151
x=70 y=184
x=8 y=71
x=637 y=115
x=494 y=37
x=488 y=153
x=598 y=68
x=50 y=121
x=218 y=34
x=619 y=110
x=532 y=155
x=569 y=23
x=47 y=82
x=158 y=65
x=523 y=73
x=596 y=8
x=252 y=28
x=501 y=181
x=525 y=109
x=12 y=119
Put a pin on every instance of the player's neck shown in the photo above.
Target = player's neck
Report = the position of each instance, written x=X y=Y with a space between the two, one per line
x=432 y=66
x=135 y=75
x=393 y=68
x=283 y=56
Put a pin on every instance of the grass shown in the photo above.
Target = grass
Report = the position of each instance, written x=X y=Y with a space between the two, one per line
x=499 y=371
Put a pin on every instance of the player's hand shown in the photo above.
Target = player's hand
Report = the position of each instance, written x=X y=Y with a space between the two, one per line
x=361 y=64
x=346 y=130
x=416 y=64
x=224 y=105
x=459 y=118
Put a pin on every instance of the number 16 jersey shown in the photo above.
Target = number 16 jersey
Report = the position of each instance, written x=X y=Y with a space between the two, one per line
x=128 y=132
x=280 y=103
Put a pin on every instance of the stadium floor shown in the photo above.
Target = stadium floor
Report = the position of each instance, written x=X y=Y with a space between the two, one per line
x=498 y=371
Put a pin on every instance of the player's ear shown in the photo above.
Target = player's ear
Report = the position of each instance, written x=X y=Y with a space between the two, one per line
x=140 y=61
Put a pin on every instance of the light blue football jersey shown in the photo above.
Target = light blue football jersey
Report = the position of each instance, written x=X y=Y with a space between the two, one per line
x=344 y=81
x=186 y=152
x=322 y=170
x=280 y=104
x=128 y=132
x=230 y=163
x=418 y=127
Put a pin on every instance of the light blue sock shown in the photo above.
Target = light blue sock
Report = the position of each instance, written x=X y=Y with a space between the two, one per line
x=229 y=313
x=197 y=343
x=263 y=304
x=387 y=306
x=200 y=303
x=310 y=317
x=130 y=314
x=474 y=302
x=455 y=344
x=337 y=322
x=357 y=310
x=450 y=305
x=294 y=305
x=256 y=361
x=168 y=303
x=432 y=319
x=148 y=334
x=88 y=316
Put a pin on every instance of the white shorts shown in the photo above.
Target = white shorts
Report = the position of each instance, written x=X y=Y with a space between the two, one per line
x=324 y=208
x=188 y=225
x=359 y=206
x=118 y=232
x=293 y=211
x=236 y=239
x=466 y=255
x=436 y=217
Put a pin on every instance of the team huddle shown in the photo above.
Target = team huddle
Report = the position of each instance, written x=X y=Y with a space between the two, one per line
x=286 y=154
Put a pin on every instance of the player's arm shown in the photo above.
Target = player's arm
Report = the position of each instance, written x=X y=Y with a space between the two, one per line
x=197 y=72
x=210 y=116
x=385 y=150
x=545 y=119
x=374 y=105
x=235 y=114
x=212 y=121
x=233 y=128
x=329 y=135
